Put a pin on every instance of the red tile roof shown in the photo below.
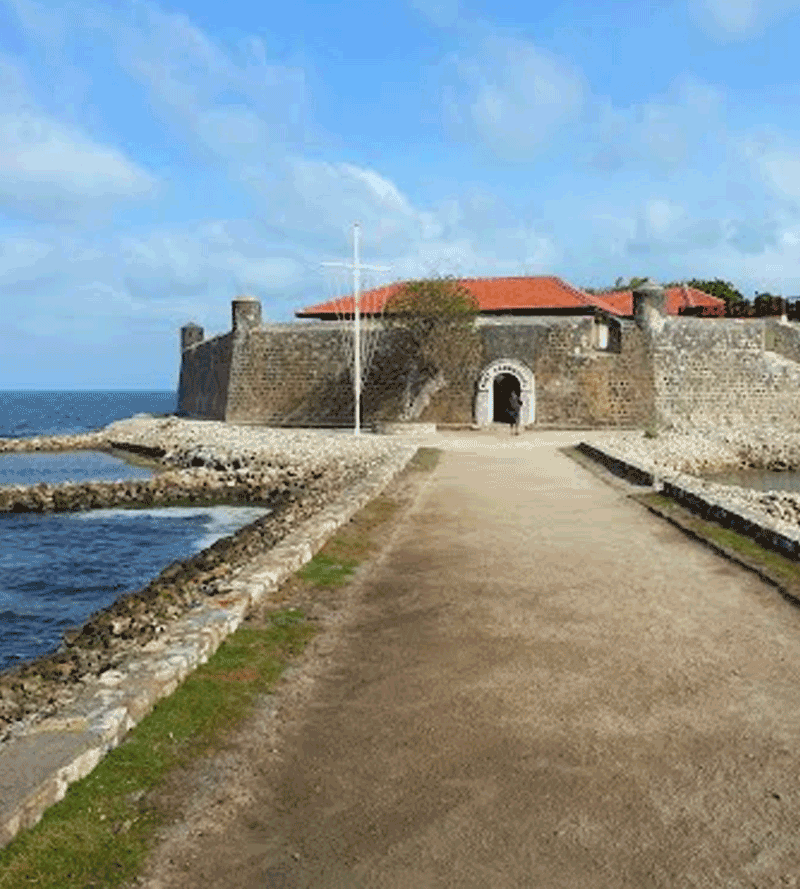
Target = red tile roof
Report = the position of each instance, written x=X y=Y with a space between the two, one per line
x=492 y=294
x=679 y=300
x=539 y=293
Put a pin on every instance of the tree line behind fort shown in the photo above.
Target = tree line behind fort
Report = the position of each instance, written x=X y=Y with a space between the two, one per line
x=737 y=305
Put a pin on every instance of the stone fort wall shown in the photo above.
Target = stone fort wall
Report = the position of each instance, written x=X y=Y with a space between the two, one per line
x=721 y=372
x=205 y=377
x=680 y=371
x=783 y=338
x=288 y=374
x=299 y=374
x=576 y=383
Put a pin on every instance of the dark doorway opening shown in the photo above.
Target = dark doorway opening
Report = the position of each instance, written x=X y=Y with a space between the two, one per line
x=504 y=385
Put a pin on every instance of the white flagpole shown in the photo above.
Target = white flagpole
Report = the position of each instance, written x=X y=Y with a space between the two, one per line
x=357 y=330
x=356 y=268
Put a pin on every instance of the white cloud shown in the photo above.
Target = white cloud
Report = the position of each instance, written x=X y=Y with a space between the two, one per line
x=46 y=23
x=660 y=217
x=43 y=162
x=475 y=256
x=782 y=169
x=21 y=259
x=248 y=113
x=776 y=163
x=734 y=16
x=238 y=108
x=739 y=19
x=514 y=95
x=671 y=240
x=51 y=170
x=669 y=132
x=326 y=197
x=442 y=13
x=222 y=254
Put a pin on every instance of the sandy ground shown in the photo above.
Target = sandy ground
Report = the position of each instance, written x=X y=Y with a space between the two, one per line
x=538 y=684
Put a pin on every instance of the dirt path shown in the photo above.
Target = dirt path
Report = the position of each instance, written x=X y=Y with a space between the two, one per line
x=539 y=685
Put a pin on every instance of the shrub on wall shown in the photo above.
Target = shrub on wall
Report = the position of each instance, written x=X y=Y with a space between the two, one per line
x=434 y=321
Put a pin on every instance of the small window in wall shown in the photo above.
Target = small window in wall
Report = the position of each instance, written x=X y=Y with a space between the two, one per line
x=607 y=335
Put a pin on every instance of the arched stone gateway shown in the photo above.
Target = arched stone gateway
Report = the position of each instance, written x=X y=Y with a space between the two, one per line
x=498 y=380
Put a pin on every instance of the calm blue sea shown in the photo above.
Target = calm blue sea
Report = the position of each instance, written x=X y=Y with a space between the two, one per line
x=56 y=570
x=25 y=414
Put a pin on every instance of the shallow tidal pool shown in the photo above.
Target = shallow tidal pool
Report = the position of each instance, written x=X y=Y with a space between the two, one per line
x=758 y=479
x=69 y=466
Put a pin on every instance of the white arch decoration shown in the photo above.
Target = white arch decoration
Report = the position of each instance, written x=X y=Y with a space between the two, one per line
x=484 y=400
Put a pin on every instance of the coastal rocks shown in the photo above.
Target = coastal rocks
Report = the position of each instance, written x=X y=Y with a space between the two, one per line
x=94 y=441
x=190 y=486
x=712 y=449
x=680 y=452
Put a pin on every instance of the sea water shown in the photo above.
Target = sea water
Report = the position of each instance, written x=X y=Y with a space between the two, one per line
x=25 y=414
x=57 y=569
x=758 y=479
x=69 y=466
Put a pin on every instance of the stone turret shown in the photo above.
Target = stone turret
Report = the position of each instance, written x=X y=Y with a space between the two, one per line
x=191 y=335
x=246 y=314
x=650 y=307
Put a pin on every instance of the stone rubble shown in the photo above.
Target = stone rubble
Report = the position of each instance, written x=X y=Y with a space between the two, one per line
x=295 y=473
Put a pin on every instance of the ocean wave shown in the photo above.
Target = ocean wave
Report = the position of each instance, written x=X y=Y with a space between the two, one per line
x=217 y=521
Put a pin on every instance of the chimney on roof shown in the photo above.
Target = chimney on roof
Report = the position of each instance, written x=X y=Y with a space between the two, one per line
x=650 y=306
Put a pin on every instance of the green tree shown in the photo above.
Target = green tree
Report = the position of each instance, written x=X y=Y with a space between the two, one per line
x=618 y=285
x=434 y=319
x=722 y=290
x=767 y=304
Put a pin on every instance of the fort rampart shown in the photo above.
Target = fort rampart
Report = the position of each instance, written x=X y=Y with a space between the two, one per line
x=652 y=368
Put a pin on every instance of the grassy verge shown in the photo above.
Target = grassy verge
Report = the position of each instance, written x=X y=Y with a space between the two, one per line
x=356 y=541
x=97 y=835
x=772 y=566
x=100 y=833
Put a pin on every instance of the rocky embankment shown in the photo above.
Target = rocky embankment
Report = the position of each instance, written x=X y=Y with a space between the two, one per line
x=199 y=461
x=94 y=441
x=296 y=473
x=708 y=450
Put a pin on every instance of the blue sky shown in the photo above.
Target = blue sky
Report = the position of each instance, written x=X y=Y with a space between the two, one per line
x=158 y=159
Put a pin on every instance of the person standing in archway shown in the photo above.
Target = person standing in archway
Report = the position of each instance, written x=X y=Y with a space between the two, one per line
x=515 y=413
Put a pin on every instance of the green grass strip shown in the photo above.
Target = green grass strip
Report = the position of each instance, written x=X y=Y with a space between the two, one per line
x=425 y=460
x=780 y=570
x=99 y=834
x=325 y=571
